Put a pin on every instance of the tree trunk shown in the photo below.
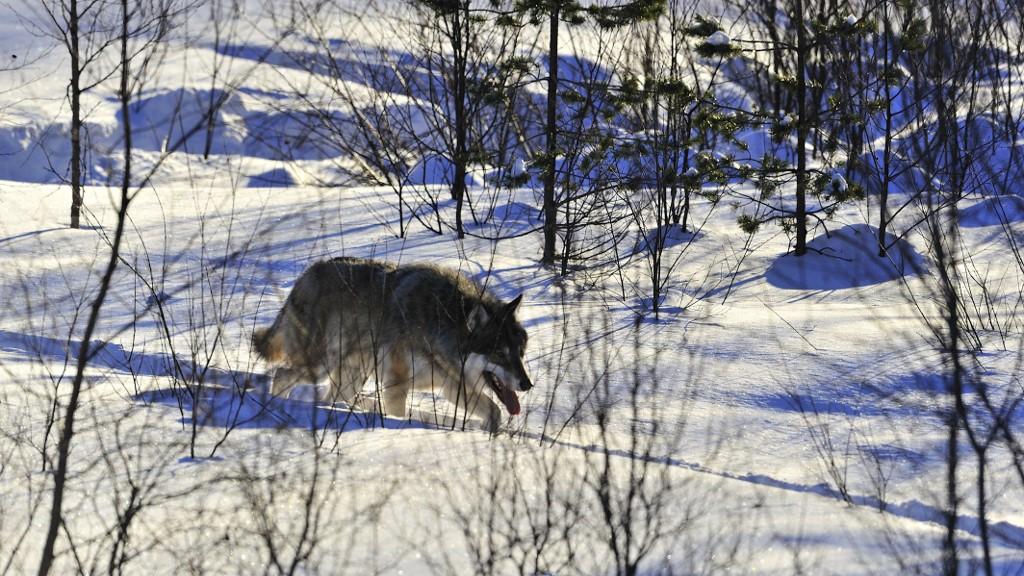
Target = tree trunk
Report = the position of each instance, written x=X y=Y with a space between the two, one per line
x=76 y=117
x=770 y=11
x=801 y=130
x=210 y=121
x=458 y=43
x=883 y=193
x=551 y=133
x=948 y=161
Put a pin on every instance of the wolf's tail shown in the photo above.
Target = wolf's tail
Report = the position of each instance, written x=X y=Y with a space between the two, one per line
x=268 y=342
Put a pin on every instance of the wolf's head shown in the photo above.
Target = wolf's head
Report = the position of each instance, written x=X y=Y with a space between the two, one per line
x=497 y=345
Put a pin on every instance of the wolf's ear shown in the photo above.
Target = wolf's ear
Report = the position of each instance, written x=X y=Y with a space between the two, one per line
x=510 y=308
x=477 y=317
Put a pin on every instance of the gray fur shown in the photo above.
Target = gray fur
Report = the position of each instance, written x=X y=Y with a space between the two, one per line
x=411 y=326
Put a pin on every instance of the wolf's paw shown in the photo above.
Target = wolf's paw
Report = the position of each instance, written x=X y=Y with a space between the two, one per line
x=258 y=385
x=307 y=393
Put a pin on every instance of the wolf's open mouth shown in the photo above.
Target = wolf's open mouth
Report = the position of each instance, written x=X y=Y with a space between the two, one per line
x=505 y=394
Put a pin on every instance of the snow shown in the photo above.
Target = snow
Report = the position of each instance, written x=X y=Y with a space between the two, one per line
x=809 y=332
x=759 y=141
x=712 y=155
x=276 y=178
x=718 y=39
x=838 y=183
x=436 y=170
x=518 y=167
x=846 y=258
x=993 y=211
x=904 y=178
x=757 y=358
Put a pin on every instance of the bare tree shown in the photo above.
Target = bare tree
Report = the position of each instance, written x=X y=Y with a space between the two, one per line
x=67 y=430
x=141 y=29
x=951 y=76
x=86 y=31
x=675 y=110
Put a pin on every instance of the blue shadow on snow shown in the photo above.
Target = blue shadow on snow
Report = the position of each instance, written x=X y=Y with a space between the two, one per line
x=846 y=258
x=252 y=408
x=226 y=398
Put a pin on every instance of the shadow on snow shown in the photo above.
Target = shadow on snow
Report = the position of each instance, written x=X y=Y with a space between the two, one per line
x=846 y=258
x=223 y=398
x=237 y=407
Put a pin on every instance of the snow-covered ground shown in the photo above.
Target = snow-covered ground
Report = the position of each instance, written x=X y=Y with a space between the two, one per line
x=782 y=415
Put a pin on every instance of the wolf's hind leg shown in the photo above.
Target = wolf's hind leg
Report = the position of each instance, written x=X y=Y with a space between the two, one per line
x=284 y=380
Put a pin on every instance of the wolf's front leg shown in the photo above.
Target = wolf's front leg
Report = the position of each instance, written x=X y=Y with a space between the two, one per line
x=394 y=399
x=397 y=383
x=476 y=403
x=490 y=413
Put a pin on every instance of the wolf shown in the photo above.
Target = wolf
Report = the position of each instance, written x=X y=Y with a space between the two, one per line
x=414 y=326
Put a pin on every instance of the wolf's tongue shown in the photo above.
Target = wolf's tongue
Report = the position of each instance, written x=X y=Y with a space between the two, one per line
x=509 y=399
